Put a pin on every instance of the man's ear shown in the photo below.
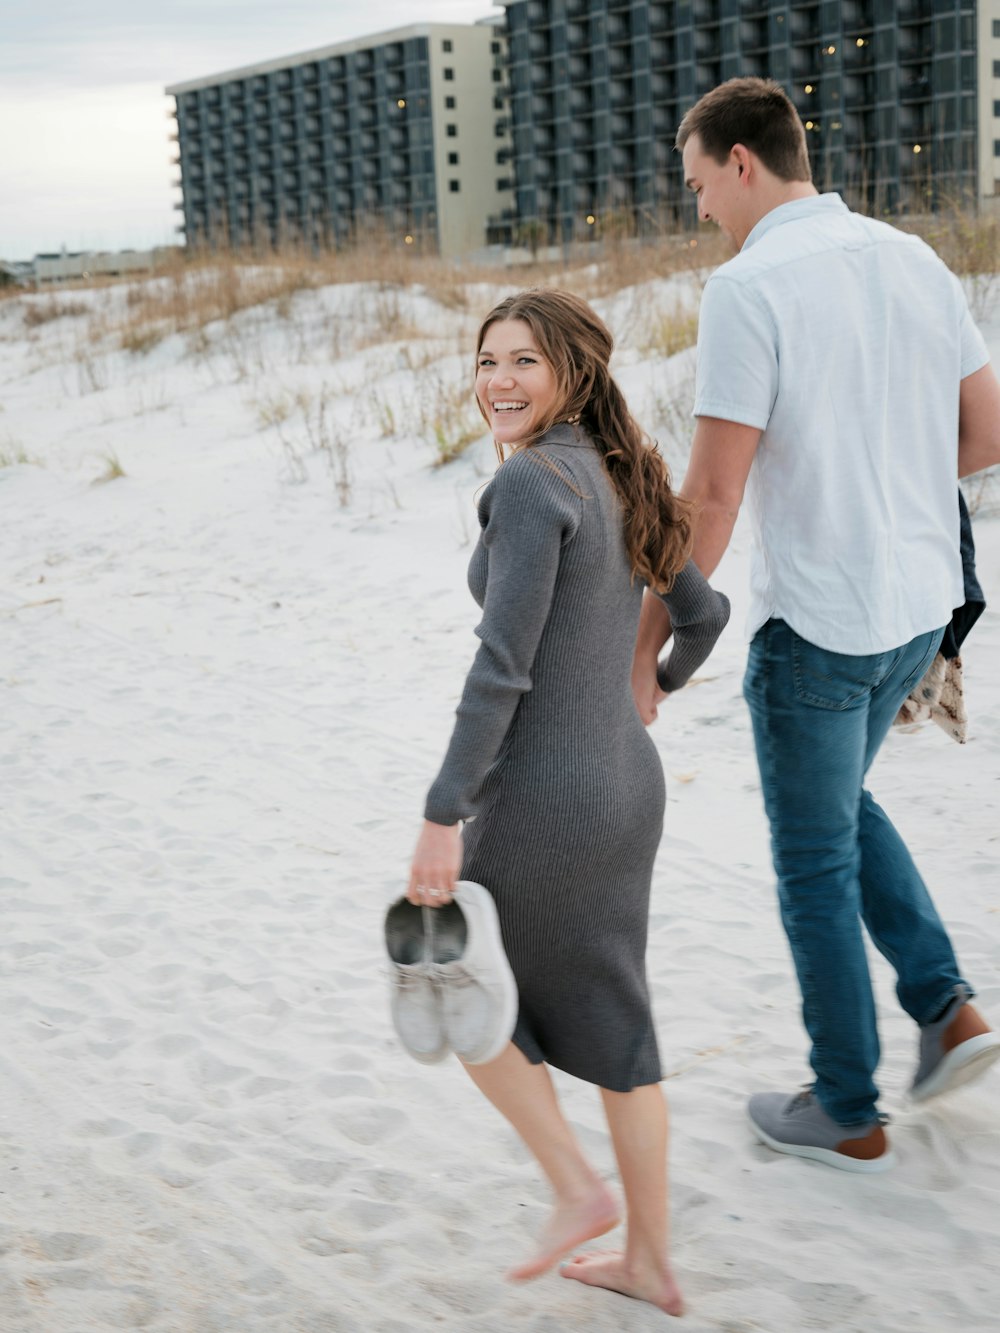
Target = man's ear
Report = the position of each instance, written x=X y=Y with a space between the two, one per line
x=741 y=156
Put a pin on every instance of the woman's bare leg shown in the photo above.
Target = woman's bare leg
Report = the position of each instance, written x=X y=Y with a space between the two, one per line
x=584 y=1206
x=638 y=1124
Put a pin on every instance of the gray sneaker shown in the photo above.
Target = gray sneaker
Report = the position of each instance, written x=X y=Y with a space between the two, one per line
x=799 y=1126
x=477 y=987
x=955 y=1049
x=415 y=1004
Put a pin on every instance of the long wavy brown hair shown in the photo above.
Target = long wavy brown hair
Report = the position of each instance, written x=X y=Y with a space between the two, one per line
x=578 y=347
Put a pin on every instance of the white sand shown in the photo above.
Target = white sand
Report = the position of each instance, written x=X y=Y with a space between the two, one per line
x=224 y=697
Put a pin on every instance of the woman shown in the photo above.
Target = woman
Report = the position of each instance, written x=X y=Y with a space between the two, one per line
x=550 y=757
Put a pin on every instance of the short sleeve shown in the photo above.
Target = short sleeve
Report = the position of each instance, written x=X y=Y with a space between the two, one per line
x=973 y=344
x=737 y=369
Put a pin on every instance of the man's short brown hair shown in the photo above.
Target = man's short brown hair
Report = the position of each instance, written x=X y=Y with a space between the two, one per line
x=757 y=113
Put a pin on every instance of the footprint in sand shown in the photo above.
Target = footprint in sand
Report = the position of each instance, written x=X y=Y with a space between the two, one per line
x=367 y=1125
x=104 y=1129
x=65 y=1246
x=262 y=1086
x=315 y=1171
x=346 y=1085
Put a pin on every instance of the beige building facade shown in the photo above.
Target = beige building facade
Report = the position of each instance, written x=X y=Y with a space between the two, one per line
x=399 y=131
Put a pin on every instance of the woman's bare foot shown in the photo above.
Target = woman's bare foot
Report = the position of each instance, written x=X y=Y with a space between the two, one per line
x=608 y=1269
x=570 y=1225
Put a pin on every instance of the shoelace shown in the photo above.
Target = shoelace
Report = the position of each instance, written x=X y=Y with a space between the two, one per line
x=459 y=977
x=806 y=1095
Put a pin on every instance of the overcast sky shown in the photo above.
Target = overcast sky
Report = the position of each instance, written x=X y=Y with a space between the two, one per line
x=83 y=116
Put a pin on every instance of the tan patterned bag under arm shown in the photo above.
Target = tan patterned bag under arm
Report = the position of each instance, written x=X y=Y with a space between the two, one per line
x=939 y=698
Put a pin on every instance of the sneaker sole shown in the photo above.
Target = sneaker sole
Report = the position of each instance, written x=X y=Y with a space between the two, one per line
x=404 y=935
x=828 y=1156
x=962 y=1065
x=507 y=1017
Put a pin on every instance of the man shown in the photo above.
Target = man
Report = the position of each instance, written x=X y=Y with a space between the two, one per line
x=840 y=373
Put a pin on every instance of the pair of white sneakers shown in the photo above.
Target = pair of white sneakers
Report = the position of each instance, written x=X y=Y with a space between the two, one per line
x=452 y=987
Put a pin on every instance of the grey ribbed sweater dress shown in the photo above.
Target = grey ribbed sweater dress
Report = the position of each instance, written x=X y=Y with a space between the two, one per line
x=551 y=763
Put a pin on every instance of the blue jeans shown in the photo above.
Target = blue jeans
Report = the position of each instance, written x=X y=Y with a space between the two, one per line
x=819 y=718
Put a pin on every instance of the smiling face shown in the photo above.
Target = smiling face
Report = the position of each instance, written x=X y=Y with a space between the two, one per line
x=515 y=385
x=722 y=198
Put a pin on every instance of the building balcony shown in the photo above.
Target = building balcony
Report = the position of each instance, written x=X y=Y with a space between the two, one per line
x=663 y=86
x=913 y=11
x=918 y=51
x=915 y=90
x=804 y=25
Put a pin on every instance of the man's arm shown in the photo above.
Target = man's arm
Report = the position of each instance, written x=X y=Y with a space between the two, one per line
x=721 y=455
x=978 y=422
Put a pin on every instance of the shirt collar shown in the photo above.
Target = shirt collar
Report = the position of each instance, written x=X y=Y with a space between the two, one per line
x=793 y=211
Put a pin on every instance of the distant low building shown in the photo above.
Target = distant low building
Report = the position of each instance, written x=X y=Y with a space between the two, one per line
x=81 y=265
x=16 y=273
x=400 y=132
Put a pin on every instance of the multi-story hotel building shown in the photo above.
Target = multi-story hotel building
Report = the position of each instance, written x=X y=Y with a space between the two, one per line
x=897 y=97
x=401 y=130
x=558 y=121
